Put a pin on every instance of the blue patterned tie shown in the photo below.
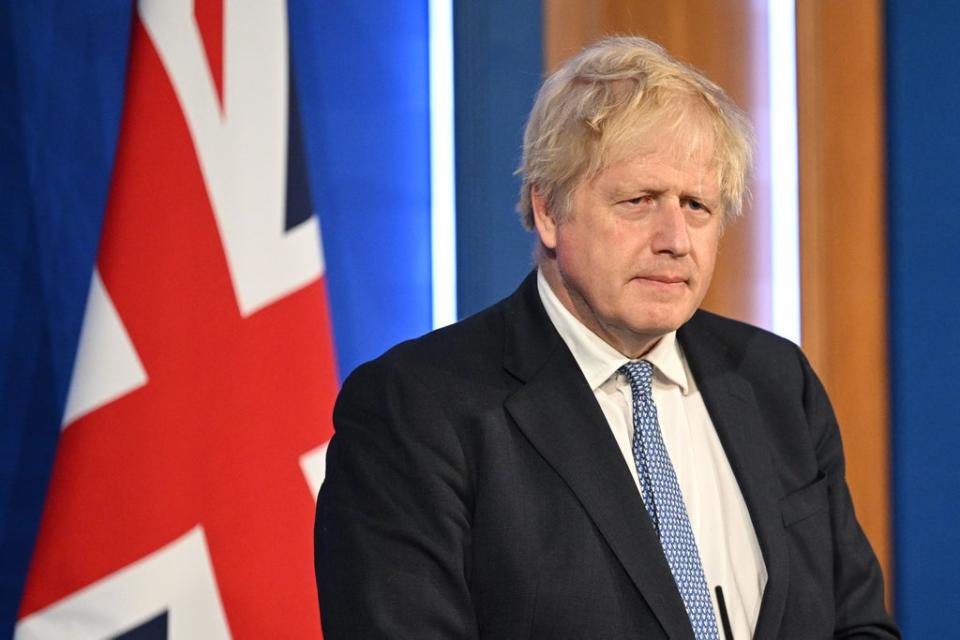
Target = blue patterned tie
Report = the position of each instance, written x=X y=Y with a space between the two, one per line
x=664 y=502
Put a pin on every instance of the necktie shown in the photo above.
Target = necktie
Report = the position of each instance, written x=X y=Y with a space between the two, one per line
x=664 y=502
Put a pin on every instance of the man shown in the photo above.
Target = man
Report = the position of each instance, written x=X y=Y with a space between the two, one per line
x=593 y=457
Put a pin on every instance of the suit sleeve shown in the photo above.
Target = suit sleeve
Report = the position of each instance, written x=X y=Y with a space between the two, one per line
x=393 y=516
x=858 y=582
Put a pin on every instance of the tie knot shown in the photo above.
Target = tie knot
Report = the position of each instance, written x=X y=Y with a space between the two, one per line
x=640 y=373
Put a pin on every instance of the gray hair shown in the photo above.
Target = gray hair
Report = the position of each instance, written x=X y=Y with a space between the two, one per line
x=600 y=103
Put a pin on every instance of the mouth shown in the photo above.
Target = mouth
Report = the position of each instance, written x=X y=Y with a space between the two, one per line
x=663 y=279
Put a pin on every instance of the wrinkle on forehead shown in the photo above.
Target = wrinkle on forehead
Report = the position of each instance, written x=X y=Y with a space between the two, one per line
x=652 y=170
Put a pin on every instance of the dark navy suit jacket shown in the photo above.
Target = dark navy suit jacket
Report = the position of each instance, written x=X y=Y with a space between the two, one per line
x=474 y=490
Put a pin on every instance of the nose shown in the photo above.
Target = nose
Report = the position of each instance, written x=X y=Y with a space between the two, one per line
x=671 y=235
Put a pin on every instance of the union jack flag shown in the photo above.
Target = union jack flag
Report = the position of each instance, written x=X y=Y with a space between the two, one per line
x=183 y=490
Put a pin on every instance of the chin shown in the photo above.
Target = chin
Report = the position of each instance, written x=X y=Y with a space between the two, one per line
x=658 y=331
x=650 y=330
x=659 y=324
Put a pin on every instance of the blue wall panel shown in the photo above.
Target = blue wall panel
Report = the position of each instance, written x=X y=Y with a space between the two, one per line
x=498 y=65
x=924 y=236
x=363 y=77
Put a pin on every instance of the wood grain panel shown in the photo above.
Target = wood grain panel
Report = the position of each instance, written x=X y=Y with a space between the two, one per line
x=843 y=238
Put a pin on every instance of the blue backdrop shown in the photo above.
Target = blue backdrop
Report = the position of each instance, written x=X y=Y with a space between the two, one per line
x=363 y=80
x=498 y=71
x=923 y=97
x=62 y=70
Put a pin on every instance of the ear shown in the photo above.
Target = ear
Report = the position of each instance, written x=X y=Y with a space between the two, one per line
x=543 y=219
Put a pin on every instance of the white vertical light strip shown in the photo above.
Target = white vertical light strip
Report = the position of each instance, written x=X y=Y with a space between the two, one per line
x=784 y=177
x=443 y=232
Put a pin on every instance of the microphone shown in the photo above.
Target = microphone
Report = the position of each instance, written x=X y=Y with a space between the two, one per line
x=724 y=618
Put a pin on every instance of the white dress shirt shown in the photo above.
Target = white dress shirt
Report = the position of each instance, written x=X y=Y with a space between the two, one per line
x=721 y=524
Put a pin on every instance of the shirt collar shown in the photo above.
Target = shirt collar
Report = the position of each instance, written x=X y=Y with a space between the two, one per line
x=598 y=360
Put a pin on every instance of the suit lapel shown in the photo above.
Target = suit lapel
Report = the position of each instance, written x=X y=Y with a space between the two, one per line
x=736 y=416
x=559 y=414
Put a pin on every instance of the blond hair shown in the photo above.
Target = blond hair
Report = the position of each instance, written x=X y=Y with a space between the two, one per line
x=598 y=106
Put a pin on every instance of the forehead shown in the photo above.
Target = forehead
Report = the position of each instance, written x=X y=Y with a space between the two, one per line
x=662 y=161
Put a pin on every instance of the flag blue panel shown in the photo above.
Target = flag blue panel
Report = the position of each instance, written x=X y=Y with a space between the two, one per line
x=62 y=69
x=362 y=74
x=924 y=240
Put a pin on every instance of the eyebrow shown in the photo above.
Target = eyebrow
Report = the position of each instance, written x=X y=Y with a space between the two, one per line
x=632 y=191
x=621 y=193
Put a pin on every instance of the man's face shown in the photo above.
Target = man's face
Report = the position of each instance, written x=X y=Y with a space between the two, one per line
x=633 y=258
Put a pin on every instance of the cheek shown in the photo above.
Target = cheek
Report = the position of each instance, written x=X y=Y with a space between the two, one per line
x=574 y=251
x=585 y=267
x=590 y=260
x=708 y=247
x=599 y=256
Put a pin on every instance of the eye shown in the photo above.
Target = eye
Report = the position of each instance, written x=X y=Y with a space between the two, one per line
x=643 y=199
x=696 y=205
